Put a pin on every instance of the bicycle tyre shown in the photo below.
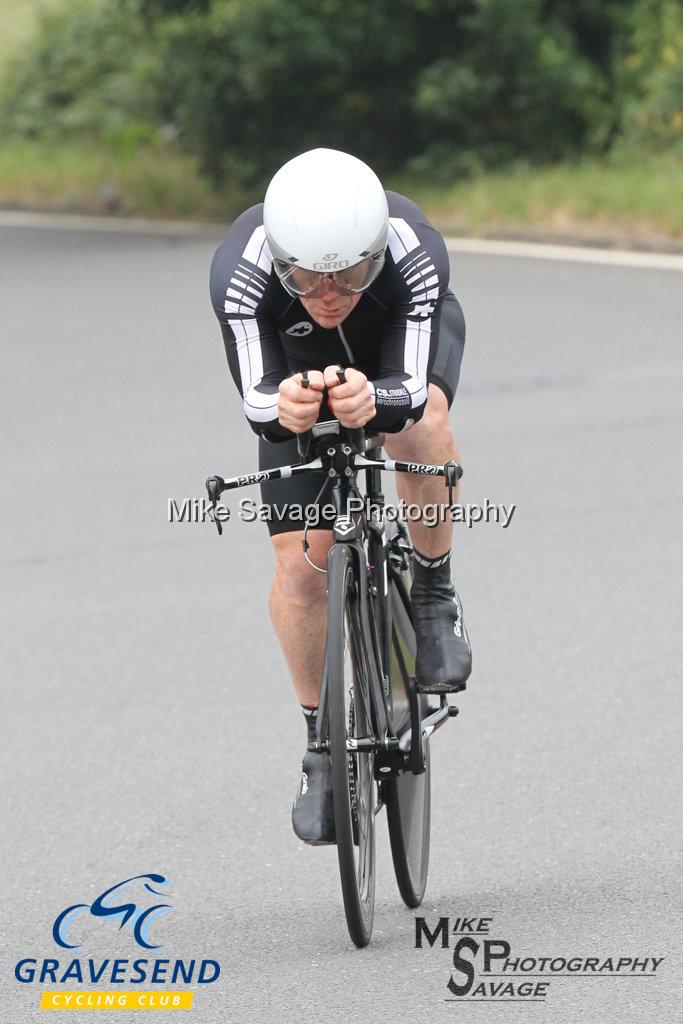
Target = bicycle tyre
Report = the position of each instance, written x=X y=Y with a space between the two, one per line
x=407 y=796
x=353 y=785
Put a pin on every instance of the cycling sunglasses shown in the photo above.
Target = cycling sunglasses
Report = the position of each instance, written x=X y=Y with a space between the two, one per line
x=309 y=284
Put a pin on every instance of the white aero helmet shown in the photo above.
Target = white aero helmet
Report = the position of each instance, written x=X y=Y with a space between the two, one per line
x=325 y=214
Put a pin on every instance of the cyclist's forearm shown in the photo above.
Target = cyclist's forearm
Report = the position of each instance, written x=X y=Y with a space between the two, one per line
x=398 y=400
x=260 y=408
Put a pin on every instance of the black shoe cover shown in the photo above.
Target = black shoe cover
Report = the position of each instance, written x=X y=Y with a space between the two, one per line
x=313 y=813
x=444 y=655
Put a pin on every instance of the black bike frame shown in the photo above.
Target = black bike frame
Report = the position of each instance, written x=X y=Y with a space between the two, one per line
x=370 y=574
x=340 y=460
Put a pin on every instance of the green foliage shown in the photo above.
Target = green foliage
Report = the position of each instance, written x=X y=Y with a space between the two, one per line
x=517 y=88
x=252 y=81
x=653 y=74
x=449 y=84
x=445 y=88
x=84 y=75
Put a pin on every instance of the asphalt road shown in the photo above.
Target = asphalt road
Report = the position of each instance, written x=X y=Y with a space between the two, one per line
x=148 y=723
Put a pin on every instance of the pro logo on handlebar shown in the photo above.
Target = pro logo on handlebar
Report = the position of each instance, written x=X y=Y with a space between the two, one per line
x=251 y=478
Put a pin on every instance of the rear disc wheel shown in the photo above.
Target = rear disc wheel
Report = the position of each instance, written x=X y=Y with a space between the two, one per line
x=407 y=796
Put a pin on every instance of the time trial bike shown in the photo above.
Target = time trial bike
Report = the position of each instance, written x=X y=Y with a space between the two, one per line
x=371 y=723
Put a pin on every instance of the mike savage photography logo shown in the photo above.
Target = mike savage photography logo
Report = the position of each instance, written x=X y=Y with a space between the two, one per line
x=200 y=510
x=134 y=906
x=484 y=969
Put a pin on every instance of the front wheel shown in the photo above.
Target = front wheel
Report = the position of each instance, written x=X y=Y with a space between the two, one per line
x=349 y=712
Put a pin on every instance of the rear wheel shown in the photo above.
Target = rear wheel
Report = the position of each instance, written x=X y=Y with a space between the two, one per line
x=407 y=796
x=353 y=786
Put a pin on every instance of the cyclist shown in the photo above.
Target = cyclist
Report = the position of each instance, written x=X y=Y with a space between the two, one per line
x=331 y=271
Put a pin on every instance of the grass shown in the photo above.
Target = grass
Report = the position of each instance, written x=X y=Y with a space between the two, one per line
x=630 y=199
x=640 y=195
x=80 y=178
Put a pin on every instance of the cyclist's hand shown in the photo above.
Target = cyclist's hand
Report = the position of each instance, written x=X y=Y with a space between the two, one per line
x=352 y=402
x=298 y=408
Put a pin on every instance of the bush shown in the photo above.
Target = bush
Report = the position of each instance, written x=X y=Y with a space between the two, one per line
x=444 y=87
x=85 y=75
x=653 y=74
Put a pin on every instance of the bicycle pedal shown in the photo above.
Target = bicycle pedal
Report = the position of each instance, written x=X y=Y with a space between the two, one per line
x=453 y=711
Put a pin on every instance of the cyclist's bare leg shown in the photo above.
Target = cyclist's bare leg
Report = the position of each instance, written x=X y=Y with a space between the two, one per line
x=298 y=608
x=430 y=440
x=444 y=655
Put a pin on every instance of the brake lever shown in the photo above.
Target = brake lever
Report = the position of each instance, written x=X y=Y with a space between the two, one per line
x=452 y=473
x=215 y=485
x=303 y=441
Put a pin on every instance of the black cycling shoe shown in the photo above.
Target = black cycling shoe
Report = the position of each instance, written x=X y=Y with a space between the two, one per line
x=313 y=813
x=444 y=655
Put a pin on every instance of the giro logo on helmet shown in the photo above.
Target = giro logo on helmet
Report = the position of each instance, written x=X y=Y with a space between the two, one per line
x=331 y=263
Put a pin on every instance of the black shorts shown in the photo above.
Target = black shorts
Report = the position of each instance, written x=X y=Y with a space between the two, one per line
x=286 y=497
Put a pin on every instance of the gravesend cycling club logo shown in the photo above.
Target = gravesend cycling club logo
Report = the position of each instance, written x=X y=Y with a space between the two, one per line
x=107 y=906
x=483 y=968
x=134 y=907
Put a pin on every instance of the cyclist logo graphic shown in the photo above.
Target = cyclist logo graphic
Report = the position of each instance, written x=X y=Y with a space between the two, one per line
x=108 y=904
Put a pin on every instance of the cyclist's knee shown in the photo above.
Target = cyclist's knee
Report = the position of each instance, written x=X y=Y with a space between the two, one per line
x=294 y=577
x=435 y=416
